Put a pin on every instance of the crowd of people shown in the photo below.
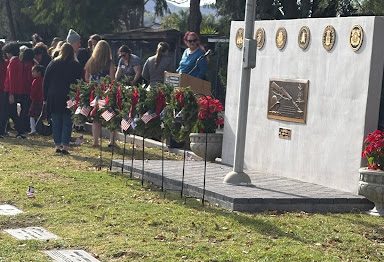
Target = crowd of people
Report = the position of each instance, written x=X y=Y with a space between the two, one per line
x=38 y=79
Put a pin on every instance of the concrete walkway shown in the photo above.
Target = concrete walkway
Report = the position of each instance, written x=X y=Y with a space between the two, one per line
x=267 y=192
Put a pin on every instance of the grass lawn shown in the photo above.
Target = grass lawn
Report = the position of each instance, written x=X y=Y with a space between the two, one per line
x=115 y=219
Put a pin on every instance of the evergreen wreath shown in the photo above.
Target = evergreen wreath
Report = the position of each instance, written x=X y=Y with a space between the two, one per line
x=180 y=114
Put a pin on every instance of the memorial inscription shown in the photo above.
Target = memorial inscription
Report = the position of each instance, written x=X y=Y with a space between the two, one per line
x=287 y=100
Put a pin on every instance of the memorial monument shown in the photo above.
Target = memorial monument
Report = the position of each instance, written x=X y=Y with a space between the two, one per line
x=314 y=95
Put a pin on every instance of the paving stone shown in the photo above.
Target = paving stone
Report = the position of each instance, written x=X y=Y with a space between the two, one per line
x=31 y=233
x=268 y=192
x=9 y=210
x=70 y=256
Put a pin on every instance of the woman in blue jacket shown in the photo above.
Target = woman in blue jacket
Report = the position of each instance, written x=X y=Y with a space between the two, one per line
x=190 y=56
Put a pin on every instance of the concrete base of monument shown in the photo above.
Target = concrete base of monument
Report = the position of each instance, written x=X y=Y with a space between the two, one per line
x=237 y=178
x=267 y=193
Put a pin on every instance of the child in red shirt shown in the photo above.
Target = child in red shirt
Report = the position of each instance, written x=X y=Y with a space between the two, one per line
x=36 y=96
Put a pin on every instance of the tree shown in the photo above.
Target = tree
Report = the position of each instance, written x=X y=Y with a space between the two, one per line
x=288 y=9
x=372 y=7
x=89 y=16
x=10 y=20
x=195 y=17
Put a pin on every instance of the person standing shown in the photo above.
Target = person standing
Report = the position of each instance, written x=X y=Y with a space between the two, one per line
x=154 y=67
x=100 y=65
x=60 y=74
x=129 y=66
x=41 y=54
x=74 y=39
x=3 y=95
x=191 y=55
x=36 y=96
x=15 y=88
x=27 y=59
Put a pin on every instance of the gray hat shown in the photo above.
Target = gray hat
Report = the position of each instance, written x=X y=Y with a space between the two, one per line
x=73 y=37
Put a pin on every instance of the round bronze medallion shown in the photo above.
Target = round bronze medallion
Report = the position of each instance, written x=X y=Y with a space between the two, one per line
x=281 y=37
x=260 y=37
x=356 y=37
x=304 y=37
x=239 y=38
x=329 y=37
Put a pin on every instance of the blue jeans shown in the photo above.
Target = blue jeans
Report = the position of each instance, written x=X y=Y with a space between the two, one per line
x=61 y=128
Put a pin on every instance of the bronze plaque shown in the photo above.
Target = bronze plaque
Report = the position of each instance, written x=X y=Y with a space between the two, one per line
x=281 y=37
x=285 y=133
x=304 y=37
x=356 y=37
x=260 y=38
x=329 y=37
x=239 y=39
x=287 y=100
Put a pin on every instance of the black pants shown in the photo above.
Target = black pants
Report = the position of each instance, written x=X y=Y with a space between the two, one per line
x=4 y=106
x=21 y=121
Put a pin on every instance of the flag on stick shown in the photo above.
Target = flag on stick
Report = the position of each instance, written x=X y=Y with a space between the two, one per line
x=85 y=110
x=148 y=117
x=126 y=123
x=70 y=103
x=108 y=114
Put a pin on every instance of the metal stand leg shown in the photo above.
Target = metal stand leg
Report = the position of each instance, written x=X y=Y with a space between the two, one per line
x=142 y=170
x=133 y=153
x=162 y=163
x=205 y=166
x=182 y=179
x=101 y=151
x=113 y=150
x=125 y=142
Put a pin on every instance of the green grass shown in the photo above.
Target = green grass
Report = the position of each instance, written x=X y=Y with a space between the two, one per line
x=115 y=219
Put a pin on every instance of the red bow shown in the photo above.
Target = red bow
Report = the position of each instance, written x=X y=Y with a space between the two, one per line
x=119 y=99
x=134 y=101
x=160 y=102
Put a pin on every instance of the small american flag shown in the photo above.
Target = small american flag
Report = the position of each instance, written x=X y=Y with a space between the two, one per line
x=126 y=123
x=85 y=110
x=70 y=103
x=100 y=102
x=148 y=117
x=108 y=114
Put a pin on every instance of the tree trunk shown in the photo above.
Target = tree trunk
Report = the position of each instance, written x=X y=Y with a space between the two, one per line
x=195 y=17
x=10 y=19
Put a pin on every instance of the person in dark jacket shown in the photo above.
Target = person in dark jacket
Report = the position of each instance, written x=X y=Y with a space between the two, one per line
x=60 y=74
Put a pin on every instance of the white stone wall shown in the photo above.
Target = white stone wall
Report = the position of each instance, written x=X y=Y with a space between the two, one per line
x=343 y=101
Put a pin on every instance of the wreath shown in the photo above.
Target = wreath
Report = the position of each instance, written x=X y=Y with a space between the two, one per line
x=180 y=114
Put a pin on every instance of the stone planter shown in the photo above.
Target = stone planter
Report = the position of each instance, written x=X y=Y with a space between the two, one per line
x=215 y=142
x=371 y=185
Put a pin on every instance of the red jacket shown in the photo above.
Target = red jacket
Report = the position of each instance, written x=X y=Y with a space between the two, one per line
x=37 y=90
x=27 y=76
x=3 y=72
x=14 y=77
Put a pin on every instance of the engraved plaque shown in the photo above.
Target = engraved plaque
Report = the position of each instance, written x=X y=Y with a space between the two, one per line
x=287 y=100
x=281 y=38
x=304 y=37
x=356 y=37
x=285 y=133
x=239 y=40
x=329 y=37
x=70 y=256
x=8 y=210
x=260 y=38
x=31 y=233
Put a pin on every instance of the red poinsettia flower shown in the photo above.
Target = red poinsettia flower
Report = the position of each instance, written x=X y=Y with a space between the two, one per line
x=374 y=150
